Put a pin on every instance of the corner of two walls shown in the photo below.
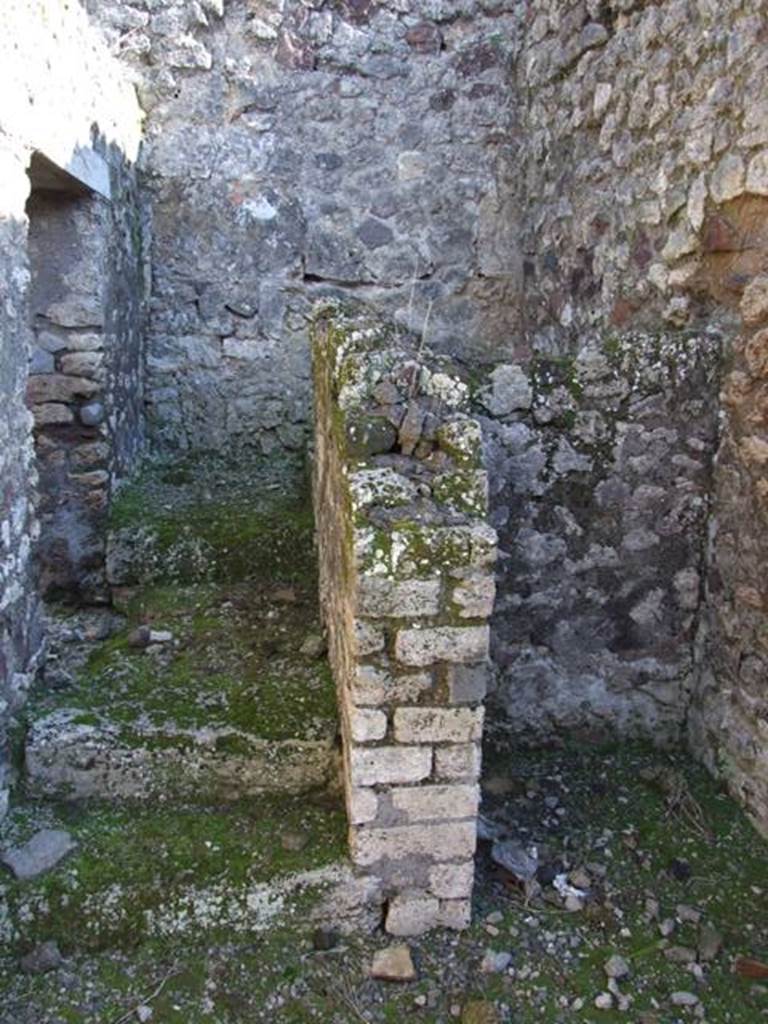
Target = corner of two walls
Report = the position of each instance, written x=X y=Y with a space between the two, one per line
x=633 y=599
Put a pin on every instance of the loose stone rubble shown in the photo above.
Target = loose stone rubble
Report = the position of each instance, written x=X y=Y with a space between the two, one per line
x=406 y=563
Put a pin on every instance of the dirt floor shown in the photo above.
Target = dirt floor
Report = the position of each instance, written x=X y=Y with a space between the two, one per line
x=661 y=917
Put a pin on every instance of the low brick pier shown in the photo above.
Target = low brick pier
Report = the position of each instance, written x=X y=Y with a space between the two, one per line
x=407 y=584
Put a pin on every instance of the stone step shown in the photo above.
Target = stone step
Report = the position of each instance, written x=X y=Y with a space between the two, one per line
x=158 y=871
x=197 y=693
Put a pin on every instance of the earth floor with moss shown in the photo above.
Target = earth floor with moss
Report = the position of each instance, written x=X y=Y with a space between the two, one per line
x=663 y=858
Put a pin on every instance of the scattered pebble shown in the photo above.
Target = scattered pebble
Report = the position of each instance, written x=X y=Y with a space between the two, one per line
x=43 y=958
x=604 y=1001
x=616 y=967
x=684 y=999
x=494 y=962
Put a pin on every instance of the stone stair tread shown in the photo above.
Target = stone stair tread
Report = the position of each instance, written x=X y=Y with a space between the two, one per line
x=225 y=703
x=157 y=871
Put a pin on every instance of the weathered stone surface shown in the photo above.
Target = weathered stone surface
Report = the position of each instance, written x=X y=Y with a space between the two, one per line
x=438 y=725
x=426 y=646
x=452 y=881
x=382 y=598
x=458 y=763
x=411 y=913
x=40 y=854
x=424 y=803
x=454 y=841
x=367 y=724
x=393 y=964
x=375 y=765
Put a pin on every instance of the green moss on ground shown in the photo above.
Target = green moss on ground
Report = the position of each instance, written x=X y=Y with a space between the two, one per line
x=235 y=662
x=207 y=519
x=139 y=863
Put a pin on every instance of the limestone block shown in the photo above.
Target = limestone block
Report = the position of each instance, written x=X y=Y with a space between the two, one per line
x=475 y=597
x=380 y=597
x=467 y=684
x=438 y=725
x=510 y=391
x=455 y=914
x=55 y=387
x=452 y=881
x=372 y=765
x=368 y=639
x=411 y=913
x=426 y=803
x=458 y=762
x=421 y=647
x=452 y=841
x=374 y=686
x=367 y=724
x=362 y=805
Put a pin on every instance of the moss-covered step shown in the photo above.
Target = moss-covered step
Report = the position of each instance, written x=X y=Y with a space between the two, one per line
x=165 y=871
x=207 y=519
x=206 y=693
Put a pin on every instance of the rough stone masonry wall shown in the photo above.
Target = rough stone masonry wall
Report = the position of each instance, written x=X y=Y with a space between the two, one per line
x=299 y=149
x=407 y=562
x=58 y=81
x=646 y=172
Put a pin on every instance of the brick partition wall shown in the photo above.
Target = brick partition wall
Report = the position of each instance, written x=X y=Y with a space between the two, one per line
x=407 y=585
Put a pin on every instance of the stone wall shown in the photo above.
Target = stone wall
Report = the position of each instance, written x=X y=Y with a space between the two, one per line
x=646 y=172
x=407 y=584
x=297 y=150
x=66 y=97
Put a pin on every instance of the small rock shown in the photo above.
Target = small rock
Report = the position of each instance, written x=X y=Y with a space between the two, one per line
x=680 y=869
x=144 y=1013
x=285 y=595
x=92 y=414
x=160 y=636
x=494 y=962
x=573 y=904
x=680 y=955
x=666 y=927
x=688 y=915
x=710 y=943
x=42 y=853
x=294 y=841
x=313 y=647
x=519 y=860
x=324 y=938
x=580 y=879
x=393 y=964
x=140 y=637
x=496 y=917
x=420 y=1000
x=604 y=1001
x=684 y=999
x=616 y=967
x=43 y=958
